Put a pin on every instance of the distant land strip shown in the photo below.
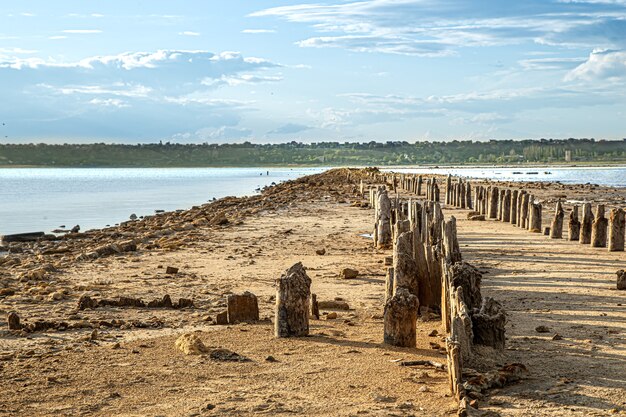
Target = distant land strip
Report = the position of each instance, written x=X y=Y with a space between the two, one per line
x=246 y=154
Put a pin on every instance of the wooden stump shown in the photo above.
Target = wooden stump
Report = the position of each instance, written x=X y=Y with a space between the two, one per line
x=468 y=196
x=513 y=217
x=389 y=284
x=315 y=307
x=585 y=225
x=405 y=268
x=448 y=190
x=573 y=231
x=243 y=308
x=535 y=218
x=616 y=230
x=621 y=279
x=524 y=216
x=451 y=248
x=384 y=220
x=292 y=303
x=493 y=203
x=599 y=228
x=506 y=206
x=400 y=319
x=488 y=324
x=468 y=278
x=556 y=229
x=13 y=321
x=455 y=370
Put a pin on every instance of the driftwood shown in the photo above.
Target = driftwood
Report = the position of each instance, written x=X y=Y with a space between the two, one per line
x=556 y=229
x=488 y=324
x=400 y=318
x=292 y=303
x=599 y=228
x=573 y=231
x=585 y=225
x=616 y=230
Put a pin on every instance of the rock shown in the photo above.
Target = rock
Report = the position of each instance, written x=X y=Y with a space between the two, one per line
x=321 y=251
x=190 y=344
x=434 y=333
x=222 y=318
x=477 y=217
x=557 y=337
x=85 y=302
x=621 y=279
x=542 y=329
x=75 y=229
x=243 y=308
x=56 y=296
x=331 y=316
x=225 y=355
x=133 y=216
x=271 y=359
x=6 y=292
x=13 y=321
x=333 y=305
x=348 y=273
x=170 y=270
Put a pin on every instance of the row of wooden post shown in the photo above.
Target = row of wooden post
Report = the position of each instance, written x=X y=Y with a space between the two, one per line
x=520 y=208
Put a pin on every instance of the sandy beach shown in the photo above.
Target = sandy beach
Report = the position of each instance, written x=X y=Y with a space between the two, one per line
x=122 y=361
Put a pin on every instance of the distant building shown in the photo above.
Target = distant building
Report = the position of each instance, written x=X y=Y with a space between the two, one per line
x=568 y=156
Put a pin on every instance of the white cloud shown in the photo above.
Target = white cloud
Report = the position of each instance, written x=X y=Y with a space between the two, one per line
x=258 y=31
x=189 y=33
x=436 y=28
x=57 y=37
x=601 y=65
x=109 y=102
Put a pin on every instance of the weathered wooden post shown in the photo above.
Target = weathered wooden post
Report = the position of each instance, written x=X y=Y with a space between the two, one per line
x=616 y=230
x=451 y=248
x=449 y=190
x=513 y=216
x=506 y=206
x=585 y=226
x=468 y=195
x=405 y=268
x=573 y=228
x=535 y=217
x=400 y=317
x=315 y=307
x=389 y=283
x=292 y=303
x=556 y=228
x=493 y=203
x=419 y=185
x=524 y=207
x=384 y=220
x=599 y=228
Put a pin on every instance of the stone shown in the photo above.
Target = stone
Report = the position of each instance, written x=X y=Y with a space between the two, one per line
x=170 y=270
x=333 y=305
x=331 y=316
x=243 y=308
x=225 y=355
x=321 y=252
x=190 y=344
x=348 y=273
x=542 y=329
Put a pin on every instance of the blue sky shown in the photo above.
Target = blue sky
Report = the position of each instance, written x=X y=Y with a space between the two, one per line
x=208 y=71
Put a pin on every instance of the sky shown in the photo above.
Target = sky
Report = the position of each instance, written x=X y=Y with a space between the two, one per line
x=196 y=71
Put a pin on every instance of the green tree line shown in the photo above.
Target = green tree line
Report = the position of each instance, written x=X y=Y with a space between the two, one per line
x=322 y=153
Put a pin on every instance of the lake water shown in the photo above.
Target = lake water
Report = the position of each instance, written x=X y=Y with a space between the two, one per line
x=609 y=176
x=42 y=199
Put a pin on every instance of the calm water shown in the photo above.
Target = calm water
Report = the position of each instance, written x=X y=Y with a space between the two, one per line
x=610 y=176
x=42 y=199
